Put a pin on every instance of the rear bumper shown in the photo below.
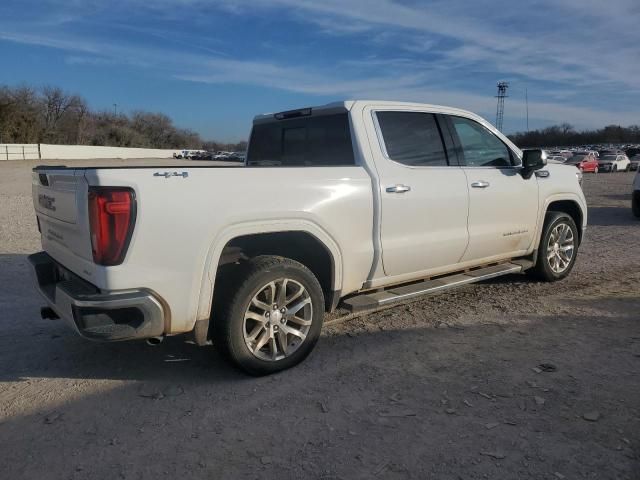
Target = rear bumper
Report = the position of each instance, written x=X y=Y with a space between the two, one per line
x=95 y=314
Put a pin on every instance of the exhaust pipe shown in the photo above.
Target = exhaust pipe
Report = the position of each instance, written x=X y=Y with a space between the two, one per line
x=47 y=313
x=154 y=341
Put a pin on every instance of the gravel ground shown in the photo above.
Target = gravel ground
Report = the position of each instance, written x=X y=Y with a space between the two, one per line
x=447 y=387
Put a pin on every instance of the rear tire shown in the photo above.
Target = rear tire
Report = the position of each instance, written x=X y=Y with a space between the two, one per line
x=558 y=248
x=614 y=169
x=261 y=327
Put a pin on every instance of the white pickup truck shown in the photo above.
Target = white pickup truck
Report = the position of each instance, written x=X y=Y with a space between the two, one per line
x=358 y=203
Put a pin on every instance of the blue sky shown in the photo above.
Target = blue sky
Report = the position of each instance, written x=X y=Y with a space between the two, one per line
x=212 y=65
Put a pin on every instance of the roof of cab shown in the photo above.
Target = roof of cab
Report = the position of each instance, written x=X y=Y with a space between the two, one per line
x=335 y=107
x=348 y=105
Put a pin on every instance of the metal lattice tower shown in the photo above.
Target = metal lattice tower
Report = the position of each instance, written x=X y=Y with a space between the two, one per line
x=502 y=94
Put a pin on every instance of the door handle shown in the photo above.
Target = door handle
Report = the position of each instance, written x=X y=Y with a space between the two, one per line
x=398 y=189
x=480 y=184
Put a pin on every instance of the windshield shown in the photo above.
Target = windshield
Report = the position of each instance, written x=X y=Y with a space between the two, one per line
x=576 y=159
x=609 y=157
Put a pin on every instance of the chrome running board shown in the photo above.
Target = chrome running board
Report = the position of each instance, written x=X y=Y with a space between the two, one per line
x=372 y=300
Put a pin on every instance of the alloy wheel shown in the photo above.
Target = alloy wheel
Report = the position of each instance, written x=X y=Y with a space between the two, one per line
x=278 y=319
x=560 y=248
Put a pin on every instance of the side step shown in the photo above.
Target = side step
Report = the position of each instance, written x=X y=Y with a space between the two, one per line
x=368 y=301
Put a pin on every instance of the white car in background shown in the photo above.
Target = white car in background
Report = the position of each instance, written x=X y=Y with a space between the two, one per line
x=614 y=163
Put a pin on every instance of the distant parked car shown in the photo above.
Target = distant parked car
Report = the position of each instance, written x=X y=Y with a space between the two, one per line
x=609 y=152
x=632 y=152
x=203 y=156
x=614 y=163
x=234 y=157
x=585 y=161
x=635 y=162
x=194 y=155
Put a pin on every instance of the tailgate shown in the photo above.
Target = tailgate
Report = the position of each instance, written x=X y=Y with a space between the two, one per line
x=60 y=201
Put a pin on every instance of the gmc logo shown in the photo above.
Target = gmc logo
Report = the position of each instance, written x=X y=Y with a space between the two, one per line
x=47 y=202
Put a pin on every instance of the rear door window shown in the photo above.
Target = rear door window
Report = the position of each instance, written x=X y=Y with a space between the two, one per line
x=315 y=141
x=412 y=138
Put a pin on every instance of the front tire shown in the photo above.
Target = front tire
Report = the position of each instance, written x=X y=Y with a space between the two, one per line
x=635 y=203
x=274 y=317
x=558 y=248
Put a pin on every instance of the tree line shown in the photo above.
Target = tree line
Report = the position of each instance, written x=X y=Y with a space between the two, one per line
x=51 y=115
x=566 y=135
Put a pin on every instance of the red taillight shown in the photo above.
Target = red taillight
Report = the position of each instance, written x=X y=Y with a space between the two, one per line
x=112 y=215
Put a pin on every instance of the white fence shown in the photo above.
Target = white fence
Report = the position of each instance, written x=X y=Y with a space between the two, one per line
x=34 y=151
x=19 y=151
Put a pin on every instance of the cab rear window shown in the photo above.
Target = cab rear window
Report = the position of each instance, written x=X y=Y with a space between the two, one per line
x=315 y=141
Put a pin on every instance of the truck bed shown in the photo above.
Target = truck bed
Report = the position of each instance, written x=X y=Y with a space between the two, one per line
x=184 y=220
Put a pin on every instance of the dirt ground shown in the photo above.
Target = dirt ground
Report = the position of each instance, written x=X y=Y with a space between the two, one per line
x=447 y=387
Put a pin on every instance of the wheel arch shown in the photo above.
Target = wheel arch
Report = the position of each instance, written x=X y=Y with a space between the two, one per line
x=569 y=204
x=309 y=233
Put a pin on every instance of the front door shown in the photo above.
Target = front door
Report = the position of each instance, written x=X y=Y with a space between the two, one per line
x=423 y=193
x=503 y=206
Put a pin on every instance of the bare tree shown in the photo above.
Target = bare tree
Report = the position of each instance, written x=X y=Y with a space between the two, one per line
x=55 y=116
x=566 y=128
x=19 y=118
x=56 y=104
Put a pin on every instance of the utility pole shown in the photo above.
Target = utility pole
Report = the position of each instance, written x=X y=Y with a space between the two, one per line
x=526 y=99
x=115 y=109
x=502 y=94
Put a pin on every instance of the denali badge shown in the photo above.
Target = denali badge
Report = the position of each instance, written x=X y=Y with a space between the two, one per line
x=47 y=202
x=171 y=174
x=517 y=232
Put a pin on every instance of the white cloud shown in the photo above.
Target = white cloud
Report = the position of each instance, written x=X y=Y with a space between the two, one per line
x=588 y=44
x=576 y=45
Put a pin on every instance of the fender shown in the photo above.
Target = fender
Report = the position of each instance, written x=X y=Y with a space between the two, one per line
x=216 y=246
x=567 y=196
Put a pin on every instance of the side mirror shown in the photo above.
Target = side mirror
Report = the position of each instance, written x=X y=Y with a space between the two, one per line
x=532 y=160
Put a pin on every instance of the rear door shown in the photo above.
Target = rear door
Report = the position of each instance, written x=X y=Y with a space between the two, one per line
x=59 y=198
x=503 y=206
x=424 y=197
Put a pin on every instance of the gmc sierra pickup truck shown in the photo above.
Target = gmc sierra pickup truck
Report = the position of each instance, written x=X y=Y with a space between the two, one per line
x=356 y=203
